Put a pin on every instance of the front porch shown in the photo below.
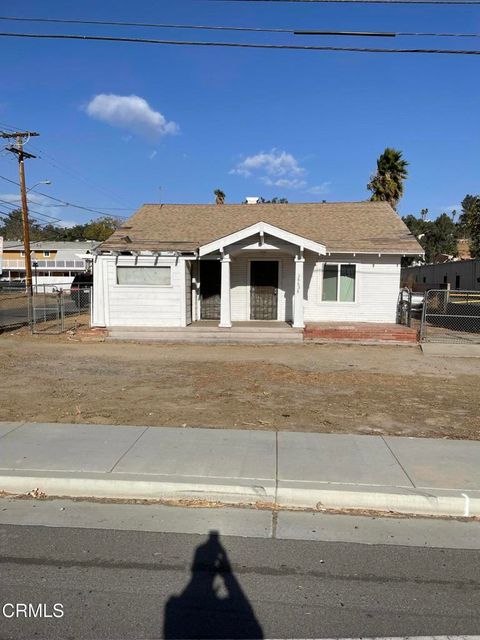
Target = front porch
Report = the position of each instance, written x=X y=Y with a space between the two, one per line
x=273 y=332
x=257 y=274
x=208 y=332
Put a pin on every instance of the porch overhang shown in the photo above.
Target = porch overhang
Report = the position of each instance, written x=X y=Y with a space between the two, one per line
x=262 y=228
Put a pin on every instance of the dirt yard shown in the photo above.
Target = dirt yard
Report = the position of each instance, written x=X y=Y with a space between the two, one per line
x=390 y=390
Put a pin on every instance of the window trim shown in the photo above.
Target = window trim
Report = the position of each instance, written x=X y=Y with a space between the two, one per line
x=339 y=265
x=144 y=286
x=46 y=254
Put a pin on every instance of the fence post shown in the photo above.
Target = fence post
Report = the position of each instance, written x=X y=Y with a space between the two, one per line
x=61 y=301
x=424 y=314
x=31 y=310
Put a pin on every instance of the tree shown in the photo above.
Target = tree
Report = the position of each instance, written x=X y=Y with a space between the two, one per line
x=99 y=229
x=435 y=236
x=12 y=228
x=470 y=221
x=275 y=200
x=387 y=183
x=219 y=196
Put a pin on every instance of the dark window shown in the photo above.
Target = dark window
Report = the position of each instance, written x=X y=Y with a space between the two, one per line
x=457 y=282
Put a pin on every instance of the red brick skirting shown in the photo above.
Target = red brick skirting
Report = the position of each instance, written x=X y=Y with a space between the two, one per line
x=359 y=332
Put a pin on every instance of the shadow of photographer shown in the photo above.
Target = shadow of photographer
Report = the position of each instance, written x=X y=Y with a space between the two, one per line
x=213 y=604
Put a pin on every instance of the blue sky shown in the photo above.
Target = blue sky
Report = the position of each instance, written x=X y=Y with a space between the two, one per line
x=304 y=125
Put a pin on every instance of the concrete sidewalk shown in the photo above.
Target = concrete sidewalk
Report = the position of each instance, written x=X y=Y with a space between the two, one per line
x=306 y=470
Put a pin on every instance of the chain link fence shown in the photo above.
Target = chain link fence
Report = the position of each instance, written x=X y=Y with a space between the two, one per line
x=56 y=310
x=49 y=310
x=451 y=316
x=14 y=307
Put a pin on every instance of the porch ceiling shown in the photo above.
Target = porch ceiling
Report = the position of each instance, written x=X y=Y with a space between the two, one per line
x=262 y=228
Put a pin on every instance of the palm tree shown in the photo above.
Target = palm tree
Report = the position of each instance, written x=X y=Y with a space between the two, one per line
x=219 y=196
x=387 y=183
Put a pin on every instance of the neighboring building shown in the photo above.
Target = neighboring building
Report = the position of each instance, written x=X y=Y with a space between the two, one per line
x=458 y=274
x=53 y=263
x=171 y=265
x=463 y=252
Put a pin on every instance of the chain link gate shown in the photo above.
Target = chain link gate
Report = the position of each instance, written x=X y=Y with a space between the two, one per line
x=451 y=316
x=56 y=310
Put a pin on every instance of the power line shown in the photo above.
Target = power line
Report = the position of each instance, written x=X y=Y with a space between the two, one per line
x=57 y=164
x=62 y=166
x=438 y=2
x=240 y=45
x=291 y=31
x=38 y=213
x=63 y=202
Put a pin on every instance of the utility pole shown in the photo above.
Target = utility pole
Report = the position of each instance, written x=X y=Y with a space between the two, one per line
x=21 y=154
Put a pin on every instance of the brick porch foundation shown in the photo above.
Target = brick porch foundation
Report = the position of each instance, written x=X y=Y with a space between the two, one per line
x=359 y=332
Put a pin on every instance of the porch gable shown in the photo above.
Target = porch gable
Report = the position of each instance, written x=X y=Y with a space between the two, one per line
x=262 y=228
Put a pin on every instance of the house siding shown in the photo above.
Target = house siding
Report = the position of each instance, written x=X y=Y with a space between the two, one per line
x=188 y=293
x=240 y=283
x=377 y=286
x=135 y=306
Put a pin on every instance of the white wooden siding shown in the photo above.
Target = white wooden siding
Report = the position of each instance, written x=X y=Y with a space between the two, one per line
x=139 y=306
x=377 y=286
x=188 y=292
x=240 y=283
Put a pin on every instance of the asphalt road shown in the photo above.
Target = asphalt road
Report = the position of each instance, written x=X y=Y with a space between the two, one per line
x=135 y=585
x=19 y=315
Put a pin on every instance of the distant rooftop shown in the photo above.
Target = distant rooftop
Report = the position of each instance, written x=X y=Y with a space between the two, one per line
x=80 y=246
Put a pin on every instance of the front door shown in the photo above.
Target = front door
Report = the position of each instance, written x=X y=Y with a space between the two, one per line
x=210 y=290
x=264 y=290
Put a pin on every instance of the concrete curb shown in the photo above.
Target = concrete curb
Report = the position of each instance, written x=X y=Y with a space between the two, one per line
x=383 y=499
x=139 y=487
x=222 y=490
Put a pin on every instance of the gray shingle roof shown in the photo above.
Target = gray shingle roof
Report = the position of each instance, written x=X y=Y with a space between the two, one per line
x=341 y=226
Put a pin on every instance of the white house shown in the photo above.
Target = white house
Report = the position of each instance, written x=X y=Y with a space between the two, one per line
x=173 y=265
x=54 y=263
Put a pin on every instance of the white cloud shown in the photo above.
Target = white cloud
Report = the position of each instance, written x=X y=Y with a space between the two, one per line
x=278 y=168
x=152 y=155
x=452 y=207
x=68 y=224
x=39 y=202
x=132 y=113
x=320 y=189
x=287 y=183
x=40 y=208
x=272 y=164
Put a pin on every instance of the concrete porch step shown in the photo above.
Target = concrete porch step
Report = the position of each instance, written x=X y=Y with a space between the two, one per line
x=214 y=328
x=209 y=335
x=210 y=338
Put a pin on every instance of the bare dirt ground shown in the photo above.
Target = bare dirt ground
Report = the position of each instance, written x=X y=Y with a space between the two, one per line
x=391 y=390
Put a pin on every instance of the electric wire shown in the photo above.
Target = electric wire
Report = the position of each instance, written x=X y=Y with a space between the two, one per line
x=238 y=45
x=292 y=31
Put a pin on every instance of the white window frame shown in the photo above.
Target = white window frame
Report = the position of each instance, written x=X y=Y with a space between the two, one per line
x=46 y=254
x=144 y=286
x=338 y=265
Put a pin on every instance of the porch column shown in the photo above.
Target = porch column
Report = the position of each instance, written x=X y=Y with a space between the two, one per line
x=225 y=314
x=298 y=295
